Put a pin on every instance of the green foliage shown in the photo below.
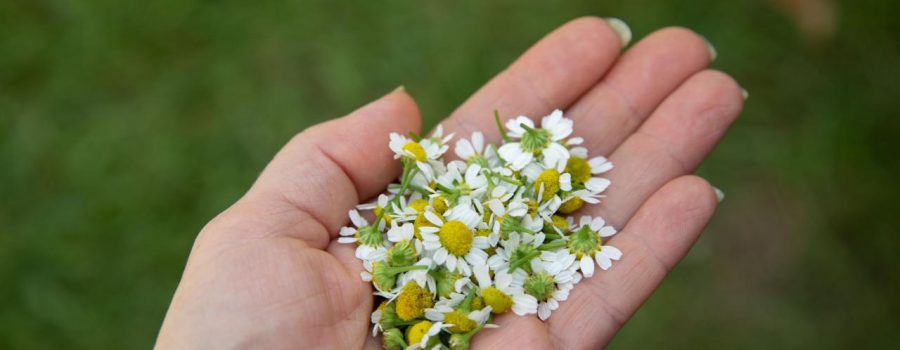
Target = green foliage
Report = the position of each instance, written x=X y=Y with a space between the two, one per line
x=125 y=126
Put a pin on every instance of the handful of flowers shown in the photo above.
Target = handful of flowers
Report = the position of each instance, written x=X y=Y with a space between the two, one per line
x=456 y=243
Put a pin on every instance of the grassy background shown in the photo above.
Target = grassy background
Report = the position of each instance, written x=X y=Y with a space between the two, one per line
x=125 y=126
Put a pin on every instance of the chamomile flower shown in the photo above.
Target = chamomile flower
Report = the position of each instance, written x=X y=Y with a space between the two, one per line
x=423 y=335
x=459 y=319
x=454 y=244
x=582 y=171
x=474 y=151
x=370 y=239
x=517 y=251
x=505 y=291
x=425 y=153
x=543 y=141
x=549 y=287
x=586 y=245
x=462 y=179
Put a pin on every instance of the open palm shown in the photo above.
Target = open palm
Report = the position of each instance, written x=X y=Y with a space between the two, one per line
x=268 y=273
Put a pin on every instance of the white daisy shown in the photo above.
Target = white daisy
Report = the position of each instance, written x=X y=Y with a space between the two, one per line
x=586 y=245
x=505 y=291
x=543 y=141
x=454 y=244
x=549 y=287
x=371 y=240
x=516 y=251
x=474 y=151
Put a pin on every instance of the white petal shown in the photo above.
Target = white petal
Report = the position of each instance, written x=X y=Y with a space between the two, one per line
x=440 y=256
x=482 y=274
x=597 y=223
x=543 y=311
x=346 y=239
x=600 y=165
x=611 y=252
x=565 y=182
x=357 y=219
x=603 y=261
x=478 y=141
x=464 y=149
x=607 y=231
x=587 y=266
x=522 y=160
x=585 y=221
x=597 y=184
x=510 y=151
x=451 y=262
x=433 y=218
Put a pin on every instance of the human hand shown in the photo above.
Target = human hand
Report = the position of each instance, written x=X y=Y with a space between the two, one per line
x=268 y=272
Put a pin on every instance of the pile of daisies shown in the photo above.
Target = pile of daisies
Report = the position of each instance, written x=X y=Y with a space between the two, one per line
x=456 y=243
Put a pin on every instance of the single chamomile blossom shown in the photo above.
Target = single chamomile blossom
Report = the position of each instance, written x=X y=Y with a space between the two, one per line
x=462 y=179
x=586 y=245
x=459 y=320
x=370 y=239
x=517 y=251
x=454 y=244
x=549 y=287
x=543 y=141
x=505 y=291
x=427 y=337
x=425 y=153
x=474 y=151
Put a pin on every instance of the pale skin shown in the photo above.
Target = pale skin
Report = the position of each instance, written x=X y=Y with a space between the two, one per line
x=268 y=272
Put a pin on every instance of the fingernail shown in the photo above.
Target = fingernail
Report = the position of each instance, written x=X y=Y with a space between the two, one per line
x=398 y=89
x=712 y=49
x=719 y=194
x=621 y=28
x=745 y=93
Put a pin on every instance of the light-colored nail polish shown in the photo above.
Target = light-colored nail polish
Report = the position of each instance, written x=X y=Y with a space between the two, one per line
x=621 y=28
x=745 y=93
x=719 y=194
x=398 y=89
x=712 y=50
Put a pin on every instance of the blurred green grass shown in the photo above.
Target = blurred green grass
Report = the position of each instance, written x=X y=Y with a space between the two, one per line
x=124 y=127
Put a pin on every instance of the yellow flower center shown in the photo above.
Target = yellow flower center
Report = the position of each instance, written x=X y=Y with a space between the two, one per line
x=413 y=301
x=579 y=168
x=549 y=179
x=440 y=204
x=415 y=333
x=497 y=300
x=477 y=303
x=456 y=237
x=416 y=149
x=560 y=222
x=571 y=205
x=461 y=323
x=418 y=204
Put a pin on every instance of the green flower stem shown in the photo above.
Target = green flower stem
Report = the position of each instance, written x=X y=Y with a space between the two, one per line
x=500 y=126
x=523 y=260
x=409 y=170
x=420 y=189
x=552 y=245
